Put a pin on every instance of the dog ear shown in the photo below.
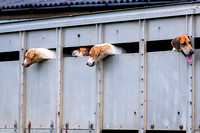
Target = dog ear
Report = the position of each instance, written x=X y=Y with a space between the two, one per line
x=31 y=54
x=176 y=43
x=94 y=52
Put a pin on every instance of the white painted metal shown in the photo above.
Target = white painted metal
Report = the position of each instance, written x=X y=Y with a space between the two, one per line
x=190 y=120
x=197 y=91
x=196 y=25
x=121 y=92
x=79 y=93
x=165 y=28
x=59 y=103
x=142 y=51
x=80 y=36
x=10 y=42
x=121 y=32
x=78 y=131
x=40 y=131
x=9 y=94
x=89 y=92
x=166 y=91
x=22 y=93
x=41 y=94
x=99 y=85
x=8 y=131
x=41 y=39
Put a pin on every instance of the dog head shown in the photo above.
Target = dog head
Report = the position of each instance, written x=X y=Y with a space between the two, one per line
x=31 y=57
x=182 y=43
x=81 y=52
x=97 y=53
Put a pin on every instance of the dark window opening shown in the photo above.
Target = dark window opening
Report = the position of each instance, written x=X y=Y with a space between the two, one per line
x=165 y=131
x=9 y=56
x=129 y=47
x=119 y=131
x=162 y=45
x=67 y=52
x=197 y=43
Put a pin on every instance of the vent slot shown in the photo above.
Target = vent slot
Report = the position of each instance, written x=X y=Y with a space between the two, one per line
x=129 y=47
x=9 y=56
x=161 y=45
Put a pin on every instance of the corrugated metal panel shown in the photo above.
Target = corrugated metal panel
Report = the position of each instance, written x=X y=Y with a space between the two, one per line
x=79 y=93
x=9 y=94
x=37 y=3
x=166 y=90
x=41 y=94
x=121 y=92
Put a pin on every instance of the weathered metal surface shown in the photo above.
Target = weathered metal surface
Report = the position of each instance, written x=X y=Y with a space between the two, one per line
x=121 y=32
x=121 y=92
x=41 y=39
x=166 y=91
x=9 y=94
x=41 y=94
x=78 y=131
x=9 y=42
x=159 y=29
x=107 y=17
x=197 y=91
x=80 y=36
x=196 y=25
x=40 y=131
x=8 y=131
x=79 y=93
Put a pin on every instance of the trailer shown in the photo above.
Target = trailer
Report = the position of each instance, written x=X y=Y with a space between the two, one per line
x=149 y=89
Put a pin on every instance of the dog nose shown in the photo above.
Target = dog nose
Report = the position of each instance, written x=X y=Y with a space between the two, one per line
x=191 y=52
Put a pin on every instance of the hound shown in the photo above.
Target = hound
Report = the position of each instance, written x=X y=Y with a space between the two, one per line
x=81 y=52
x=100 y=51
x=182 y=44
x=36 y=55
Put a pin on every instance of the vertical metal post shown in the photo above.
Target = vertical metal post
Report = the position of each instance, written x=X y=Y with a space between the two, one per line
x=59 y=58
x=22 y=91
x=99 y=85
x=190 y=102
x=142 y=93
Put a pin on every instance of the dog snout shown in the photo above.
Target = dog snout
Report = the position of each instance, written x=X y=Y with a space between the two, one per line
x=191 y=52
x=91 y=65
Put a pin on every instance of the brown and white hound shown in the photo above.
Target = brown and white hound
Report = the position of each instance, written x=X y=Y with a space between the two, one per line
x=182 y=44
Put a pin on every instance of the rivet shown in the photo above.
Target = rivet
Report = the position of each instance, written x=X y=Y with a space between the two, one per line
x=152 y=126
x=134 y=113
x=121 y=126
x=78 y=35
x=178 y=113
x=181 y=126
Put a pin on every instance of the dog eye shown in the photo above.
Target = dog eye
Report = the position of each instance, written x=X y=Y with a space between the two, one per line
x=184 y=43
